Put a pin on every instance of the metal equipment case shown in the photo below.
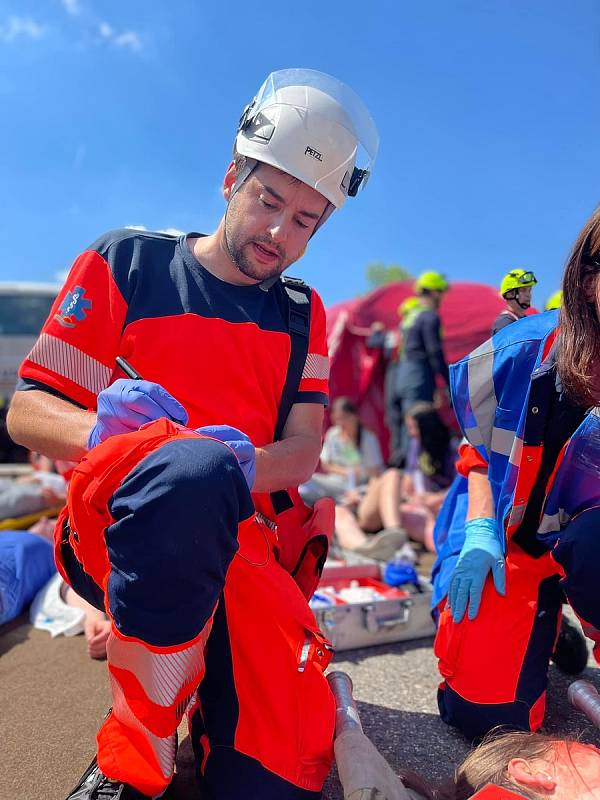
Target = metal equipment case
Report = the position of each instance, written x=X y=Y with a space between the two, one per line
x=404 y=614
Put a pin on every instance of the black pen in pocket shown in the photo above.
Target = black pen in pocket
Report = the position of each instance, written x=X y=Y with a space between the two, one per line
x=135 y=376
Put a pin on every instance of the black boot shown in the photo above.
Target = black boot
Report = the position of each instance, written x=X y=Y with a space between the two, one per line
x=570 y=652
x=96 y=786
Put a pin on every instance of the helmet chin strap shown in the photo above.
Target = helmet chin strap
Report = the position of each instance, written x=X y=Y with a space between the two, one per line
x=515 y=298
x=524 y=306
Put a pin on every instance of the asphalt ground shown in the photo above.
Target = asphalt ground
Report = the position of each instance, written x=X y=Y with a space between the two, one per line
x=53 y=698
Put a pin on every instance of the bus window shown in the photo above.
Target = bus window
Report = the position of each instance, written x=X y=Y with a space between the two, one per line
x=23 y=314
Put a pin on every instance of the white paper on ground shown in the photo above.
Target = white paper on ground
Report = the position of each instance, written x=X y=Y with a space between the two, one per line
x=49 y=612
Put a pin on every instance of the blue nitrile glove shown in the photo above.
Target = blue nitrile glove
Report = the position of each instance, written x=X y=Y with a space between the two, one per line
x=241 y=445
x=126 y=405
x=481 y=552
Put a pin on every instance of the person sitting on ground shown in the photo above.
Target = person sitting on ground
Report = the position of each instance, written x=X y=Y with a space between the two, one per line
x=524 y=765
x=350 y=457
x=404 y=500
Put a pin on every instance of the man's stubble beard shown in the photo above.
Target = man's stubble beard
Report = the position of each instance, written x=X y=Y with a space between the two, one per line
x=236 y=250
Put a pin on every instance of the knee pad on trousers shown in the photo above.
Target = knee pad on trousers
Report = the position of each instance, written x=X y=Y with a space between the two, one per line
x=475 y=720
x=578 y=552
x=174 y=535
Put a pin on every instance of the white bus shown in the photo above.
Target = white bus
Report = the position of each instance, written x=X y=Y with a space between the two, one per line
x=24 y=308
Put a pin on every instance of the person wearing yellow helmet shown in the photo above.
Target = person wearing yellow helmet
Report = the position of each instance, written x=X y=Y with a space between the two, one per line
x=516 y=288
x=408 y=306
x=422 y=357
x=554 y=301
x=431 y=284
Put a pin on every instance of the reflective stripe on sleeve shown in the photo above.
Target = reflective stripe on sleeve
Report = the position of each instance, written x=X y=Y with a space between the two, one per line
x=70 y=362
x=316 y=367
x=482 y=393
x=502 y=441
x=516 y=451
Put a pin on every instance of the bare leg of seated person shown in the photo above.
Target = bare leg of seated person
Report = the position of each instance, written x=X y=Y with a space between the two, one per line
x=353 y=532
x=96 y=626
x=347 y=530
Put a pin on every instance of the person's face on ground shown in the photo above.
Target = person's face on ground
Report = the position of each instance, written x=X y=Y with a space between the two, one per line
x=269 y=221
x=571 y=771
x=577 y=771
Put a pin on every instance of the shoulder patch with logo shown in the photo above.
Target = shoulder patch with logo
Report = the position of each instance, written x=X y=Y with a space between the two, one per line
x=73 y=308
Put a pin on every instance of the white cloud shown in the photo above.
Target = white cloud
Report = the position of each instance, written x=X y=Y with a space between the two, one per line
x=72 y=7
x=17 y=27
x=61 y=275
x=129 y=39
x=105 y=30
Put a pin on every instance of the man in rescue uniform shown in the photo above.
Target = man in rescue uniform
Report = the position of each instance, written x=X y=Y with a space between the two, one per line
x=519 y=530
x=515 y=289
x=421 y=355
x=161 y=529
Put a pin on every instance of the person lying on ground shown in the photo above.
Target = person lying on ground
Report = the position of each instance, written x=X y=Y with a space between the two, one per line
x=44 y=488
x=527 y=765
x=96 y=625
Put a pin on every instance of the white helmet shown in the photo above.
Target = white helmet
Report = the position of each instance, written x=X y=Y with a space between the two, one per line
x=312 y=127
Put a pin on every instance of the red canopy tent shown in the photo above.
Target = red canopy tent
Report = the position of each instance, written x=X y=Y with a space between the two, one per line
x=467 y=313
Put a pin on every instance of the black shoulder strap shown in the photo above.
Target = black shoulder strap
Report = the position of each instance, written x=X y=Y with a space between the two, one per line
x=298 y=302
x=298 y=296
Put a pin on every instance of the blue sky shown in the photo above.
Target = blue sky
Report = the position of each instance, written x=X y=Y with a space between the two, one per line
x=124 y=114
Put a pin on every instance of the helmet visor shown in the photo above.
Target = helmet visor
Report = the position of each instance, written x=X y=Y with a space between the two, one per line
x=355 y=117
x=524 y=279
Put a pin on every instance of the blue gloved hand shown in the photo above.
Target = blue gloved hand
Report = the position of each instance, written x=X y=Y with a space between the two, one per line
x=481 y=552
x=126 y=405
x=241 y=445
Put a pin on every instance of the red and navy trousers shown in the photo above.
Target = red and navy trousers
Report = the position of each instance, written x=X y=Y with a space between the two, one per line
x=161 y=533
x=495 y=667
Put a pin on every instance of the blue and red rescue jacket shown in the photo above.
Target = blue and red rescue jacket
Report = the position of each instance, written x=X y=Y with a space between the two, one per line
x=505 y=397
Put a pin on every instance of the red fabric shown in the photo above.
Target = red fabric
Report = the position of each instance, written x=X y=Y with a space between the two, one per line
x=469 y=458
x=467 y=313
x=221 y=372
x=491 y=792
x=269 y=621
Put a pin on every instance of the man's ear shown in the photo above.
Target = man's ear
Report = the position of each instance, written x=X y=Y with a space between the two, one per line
x=229 y=181
x=534 y=775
